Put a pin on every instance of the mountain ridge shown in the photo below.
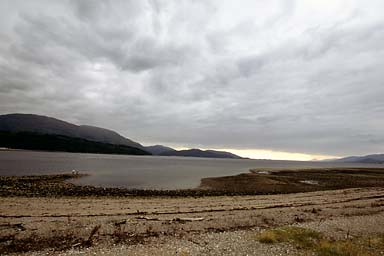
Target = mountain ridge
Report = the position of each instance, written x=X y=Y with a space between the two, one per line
x=373 y=158
x=48 y=125
x=158 y=149
x=32 y=127
x=201 y=153
x=61 y=143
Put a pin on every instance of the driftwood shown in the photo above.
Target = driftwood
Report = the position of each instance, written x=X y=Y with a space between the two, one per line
x=118 y=223
x=18 y=226
x=146 y=218
x=89 y=241
x=173 y=219
x=188 y=219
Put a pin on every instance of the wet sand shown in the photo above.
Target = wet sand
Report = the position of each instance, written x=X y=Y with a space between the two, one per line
x=256 y=182
x=281 y=181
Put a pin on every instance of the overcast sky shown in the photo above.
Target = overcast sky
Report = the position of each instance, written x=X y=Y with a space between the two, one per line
x=283 y=76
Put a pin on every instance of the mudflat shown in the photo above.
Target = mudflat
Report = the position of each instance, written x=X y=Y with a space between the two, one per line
x=277 y=181
x=105 y=224
x=256 y=182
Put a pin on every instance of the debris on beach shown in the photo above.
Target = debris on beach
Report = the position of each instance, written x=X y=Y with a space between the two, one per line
x=185 y=219
x=263 y=172
x=310 y=182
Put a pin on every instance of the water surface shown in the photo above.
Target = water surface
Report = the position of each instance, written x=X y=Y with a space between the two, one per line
x=144 y=172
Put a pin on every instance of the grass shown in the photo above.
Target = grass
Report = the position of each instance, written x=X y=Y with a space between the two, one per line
x=58 y=241
x=282 y=181
x=314 y=241
x=37 y=243
x=363 y=246
x=301 y=237
x=65 y=239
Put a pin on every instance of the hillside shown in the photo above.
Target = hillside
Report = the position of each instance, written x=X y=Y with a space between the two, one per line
x=200 y=153
x=28 y=131
x=48 y=125
x=158 y=149
x=50 y=142
x=373 y=159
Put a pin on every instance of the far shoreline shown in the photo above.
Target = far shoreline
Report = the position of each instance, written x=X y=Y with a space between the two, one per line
x=2 y=149
x=262 y=181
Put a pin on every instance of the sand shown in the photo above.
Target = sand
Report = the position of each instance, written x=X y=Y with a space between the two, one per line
x=150 y=222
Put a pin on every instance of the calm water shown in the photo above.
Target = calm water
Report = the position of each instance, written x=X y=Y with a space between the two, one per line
x=147 y=172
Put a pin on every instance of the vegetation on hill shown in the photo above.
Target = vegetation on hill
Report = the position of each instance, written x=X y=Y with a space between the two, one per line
x=368 y=159
x=36 y=132
x=50 y=142
x=48 y=125
x=200 y=153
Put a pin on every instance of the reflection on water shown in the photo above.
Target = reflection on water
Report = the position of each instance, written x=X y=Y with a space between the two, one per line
x=146 y=172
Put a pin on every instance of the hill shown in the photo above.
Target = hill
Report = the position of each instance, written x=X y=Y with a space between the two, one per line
x=50 y=142
x=373 y=159
x=200 y=153
x=35 y=132
x=47 y=125
x=28 y=131
x=158 y=149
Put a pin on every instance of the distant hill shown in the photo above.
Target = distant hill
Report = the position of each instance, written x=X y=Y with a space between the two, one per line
x=200 y=153
x=161 y=150
x=28 y=131
x=48 y=125
x=373 y=159
x=158 y=149
x=51 y=142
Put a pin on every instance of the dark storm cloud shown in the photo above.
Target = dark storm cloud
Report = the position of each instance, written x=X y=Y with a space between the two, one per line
x=297 y=76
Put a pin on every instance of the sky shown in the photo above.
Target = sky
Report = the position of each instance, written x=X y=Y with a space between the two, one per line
x=265 y=79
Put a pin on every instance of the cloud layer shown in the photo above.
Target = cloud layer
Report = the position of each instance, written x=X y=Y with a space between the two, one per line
x=296 y=76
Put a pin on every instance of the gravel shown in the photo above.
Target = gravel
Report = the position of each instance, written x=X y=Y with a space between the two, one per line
x=225 y=243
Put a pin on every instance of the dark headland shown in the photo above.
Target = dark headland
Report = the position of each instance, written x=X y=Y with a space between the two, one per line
x=35 y=132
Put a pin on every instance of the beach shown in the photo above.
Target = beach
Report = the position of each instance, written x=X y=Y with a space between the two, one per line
x=209 y=224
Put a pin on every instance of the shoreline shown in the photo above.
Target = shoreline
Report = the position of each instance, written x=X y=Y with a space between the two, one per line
x=200 y=226
x=46 y=214
x=256 y=182
x=58 y=185
x=294 y=180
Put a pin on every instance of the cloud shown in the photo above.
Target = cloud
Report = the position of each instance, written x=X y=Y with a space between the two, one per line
x=297 y=76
